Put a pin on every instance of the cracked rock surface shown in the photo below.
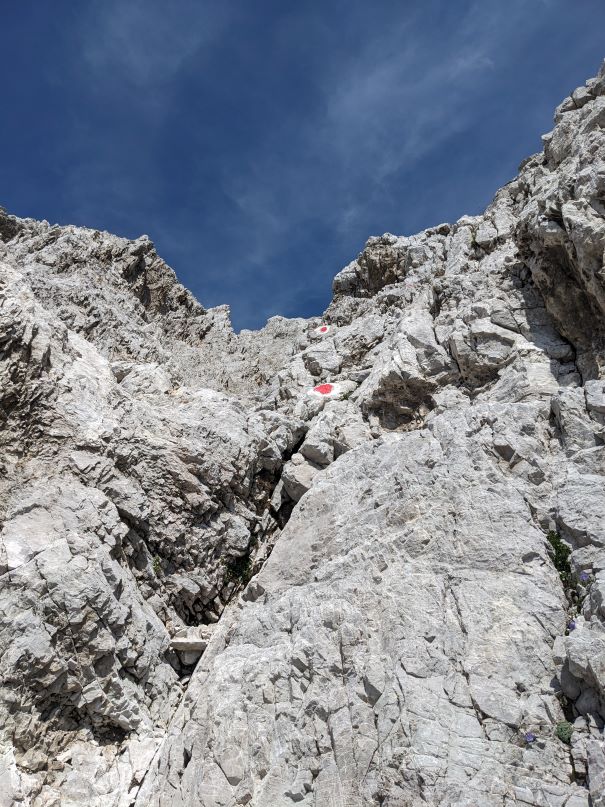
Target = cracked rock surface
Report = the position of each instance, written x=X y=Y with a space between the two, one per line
x=349 y=561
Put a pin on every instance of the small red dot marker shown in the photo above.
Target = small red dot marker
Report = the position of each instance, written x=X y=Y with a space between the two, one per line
x=323 y=328
x=323 y=389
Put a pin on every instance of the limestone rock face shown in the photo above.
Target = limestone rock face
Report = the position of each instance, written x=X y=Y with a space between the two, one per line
x=356 y=560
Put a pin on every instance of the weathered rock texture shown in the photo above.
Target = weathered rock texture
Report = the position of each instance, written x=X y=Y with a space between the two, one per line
x=221 y=588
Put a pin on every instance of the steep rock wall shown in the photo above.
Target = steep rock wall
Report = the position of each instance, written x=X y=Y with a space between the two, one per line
x=222 y=587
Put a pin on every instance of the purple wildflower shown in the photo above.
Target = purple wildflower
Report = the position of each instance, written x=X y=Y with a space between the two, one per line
x=584 y=577
x=571 y=625
x=530 y=737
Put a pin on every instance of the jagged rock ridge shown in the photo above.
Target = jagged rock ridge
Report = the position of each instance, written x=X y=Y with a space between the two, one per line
x=221 y=586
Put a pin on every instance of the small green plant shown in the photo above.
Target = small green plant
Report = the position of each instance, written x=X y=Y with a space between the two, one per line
x=156 y=565
x=238 y=570
x=564 y=731
x=561 y=553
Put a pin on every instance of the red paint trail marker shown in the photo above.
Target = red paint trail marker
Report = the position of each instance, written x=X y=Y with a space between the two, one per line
x=329 y=392
x=323 y=329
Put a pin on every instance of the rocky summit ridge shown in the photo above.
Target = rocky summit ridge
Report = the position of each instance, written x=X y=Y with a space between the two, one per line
x=348 y=561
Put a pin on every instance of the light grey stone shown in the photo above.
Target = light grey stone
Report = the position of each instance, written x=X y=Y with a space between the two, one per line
x=374 y=556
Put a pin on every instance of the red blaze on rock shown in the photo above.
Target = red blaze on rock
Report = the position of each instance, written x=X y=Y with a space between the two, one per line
x=323 y=328
x=323 y=389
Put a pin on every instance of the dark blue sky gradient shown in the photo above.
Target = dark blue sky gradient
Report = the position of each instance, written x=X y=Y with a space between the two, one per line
x=260 y=143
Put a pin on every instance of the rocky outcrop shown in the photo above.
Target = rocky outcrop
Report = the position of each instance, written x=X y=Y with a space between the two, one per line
x=356 y=560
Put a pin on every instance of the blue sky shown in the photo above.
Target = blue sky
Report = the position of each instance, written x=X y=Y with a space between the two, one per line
x=260 y=142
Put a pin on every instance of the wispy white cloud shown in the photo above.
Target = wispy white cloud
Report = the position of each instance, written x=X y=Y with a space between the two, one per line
x=385 y=106
x=131 y=56
x=147 y=41
x=394 y=111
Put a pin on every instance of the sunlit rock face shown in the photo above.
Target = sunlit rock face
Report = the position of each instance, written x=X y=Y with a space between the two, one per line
x=348 y=561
